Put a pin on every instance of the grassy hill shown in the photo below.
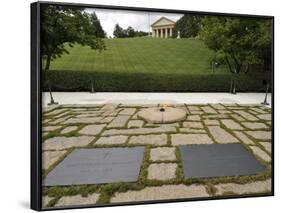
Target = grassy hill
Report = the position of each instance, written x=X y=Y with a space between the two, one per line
x=145 y=64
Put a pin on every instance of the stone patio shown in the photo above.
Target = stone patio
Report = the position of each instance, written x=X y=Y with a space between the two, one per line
x=70 y=127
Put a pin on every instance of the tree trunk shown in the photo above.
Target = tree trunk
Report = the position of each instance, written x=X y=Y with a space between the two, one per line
x=234 y=87
x=48 y=61
x=233 y=84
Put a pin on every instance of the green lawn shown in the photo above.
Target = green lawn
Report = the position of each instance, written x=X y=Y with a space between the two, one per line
x=145 y=64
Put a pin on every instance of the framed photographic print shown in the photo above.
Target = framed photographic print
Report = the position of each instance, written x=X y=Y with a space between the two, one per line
x=141 y=105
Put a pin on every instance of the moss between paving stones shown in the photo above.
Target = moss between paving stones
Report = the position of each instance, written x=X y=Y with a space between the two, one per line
x=107 y=190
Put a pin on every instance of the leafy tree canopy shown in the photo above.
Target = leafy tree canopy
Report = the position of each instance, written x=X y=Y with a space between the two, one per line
x=98 y=31
x=118 y=32
x=188 y=25
x=67 y=25
x=237 y=41
x=130 y=32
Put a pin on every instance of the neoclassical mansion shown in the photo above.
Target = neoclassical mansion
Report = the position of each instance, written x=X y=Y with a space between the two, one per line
x=162 y=28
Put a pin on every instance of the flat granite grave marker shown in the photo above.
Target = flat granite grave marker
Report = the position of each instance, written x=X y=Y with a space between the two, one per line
x=217 y=160
x=96 y=166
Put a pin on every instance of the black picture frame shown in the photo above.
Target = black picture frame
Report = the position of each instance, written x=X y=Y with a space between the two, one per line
x=36 y=104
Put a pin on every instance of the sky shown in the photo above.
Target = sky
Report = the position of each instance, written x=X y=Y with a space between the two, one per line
x=136 y=19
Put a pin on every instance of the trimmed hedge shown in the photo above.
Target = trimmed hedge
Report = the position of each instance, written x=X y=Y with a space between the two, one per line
x=63 y=80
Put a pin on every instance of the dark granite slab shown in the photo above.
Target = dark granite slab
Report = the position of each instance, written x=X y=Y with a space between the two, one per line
x=97 y=166
x=217 y=160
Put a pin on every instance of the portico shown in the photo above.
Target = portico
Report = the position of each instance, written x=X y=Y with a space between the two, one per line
x=163 y=28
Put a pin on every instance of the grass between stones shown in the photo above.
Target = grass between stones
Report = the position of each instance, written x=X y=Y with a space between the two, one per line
x=106 y=191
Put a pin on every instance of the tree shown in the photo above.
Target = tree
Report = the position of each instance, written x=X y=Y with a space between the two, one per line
x=130 y=32
x=140 y=33
x=188 y=25
x=236 y=41
x=98 y=31
x=264 y=43
x=63 y=26
x=118 y=32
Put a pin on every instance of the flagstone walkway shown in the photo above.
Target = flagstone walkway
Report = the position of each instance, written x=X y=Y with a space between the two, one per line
x=67 y=127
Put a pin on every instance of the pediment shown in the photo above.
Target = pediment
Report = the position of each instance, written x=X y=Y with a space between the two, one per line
x=162 y=22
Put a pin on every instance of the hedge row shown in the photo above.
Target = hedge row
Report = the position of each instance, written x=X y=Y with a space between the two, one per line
x=140 y=82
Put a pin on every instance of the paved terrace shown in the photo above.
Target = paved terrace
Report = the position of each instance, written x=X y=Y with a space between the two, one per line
x=154 y=98
x=161 y=176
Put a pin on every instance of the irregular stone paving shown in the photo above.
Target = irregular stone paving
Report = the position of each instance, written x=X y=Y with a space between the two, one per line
x=46 y=200
x=193 y=112
x=50 y=157
x=254 y=125
x=61 y=114
x=77 y=200
x=189 y=130
x=94 y=129
x=59 y=143
x=162 y=125
x=218 y=106
x=128 y=111
x=55 y=112
x=237 y=117
x=216 y=116
x=260 y=153
x=224 y=111
x=140 y=131
x=149 y=139
x=109 y=107
x=45 y=121
x=266 y=146
x=106 y=119
x=118 y=139
x=113 y=125
x=208 y=110
x=185 y=139
x=87 y=120
x=193 y=117
x=193 y=124
x=260 y=135
x=162 y=171
x=231 y=124
x=248 y=188
x=163 y=154
x=246 y=115
x=50 y=128
x=243 y=137
x=195 y=108
x=119 y=121
x=221 y=136
x=58 y=120
x=266 y=117
x=44 y=134
x=161 y=193
x=48 y=109
x=135 y=123
x=211 y=122
x=69 y=129
x=86 y=115
x=258 y=110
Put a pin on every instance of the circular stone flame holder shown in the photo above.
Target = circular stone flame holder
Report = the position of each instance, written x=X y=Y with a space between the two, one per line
x=161 y=115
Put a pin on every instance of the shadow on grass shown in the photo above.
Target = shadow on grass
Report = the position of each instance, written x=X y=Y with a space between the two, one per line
x=68 y=80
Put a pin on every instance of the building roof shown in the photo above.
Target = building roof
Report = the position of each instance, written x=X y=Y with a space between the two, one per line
x=162 y=18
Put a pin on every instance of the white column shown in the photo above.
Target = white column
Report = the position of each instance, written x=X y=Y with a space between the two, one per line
x=161 y=32
x=166 y=32
x=157 y=34
x=171 y=32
